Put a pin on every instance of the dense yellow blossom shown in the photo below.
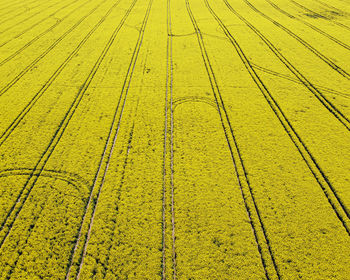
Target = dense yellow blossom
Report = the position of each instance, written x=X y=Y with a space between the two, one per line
x=175 y=139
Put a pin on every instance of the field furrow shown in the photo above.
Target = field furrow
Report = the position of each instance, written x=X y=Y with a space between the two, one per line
x=191 y=139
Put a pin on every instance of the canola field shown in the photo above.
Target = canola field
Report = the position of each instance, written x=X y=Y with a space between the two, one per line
x=175 y=139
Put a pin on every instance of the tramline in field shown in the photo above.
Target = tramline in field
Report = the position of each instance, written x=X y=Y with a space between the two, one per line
x=192 y=139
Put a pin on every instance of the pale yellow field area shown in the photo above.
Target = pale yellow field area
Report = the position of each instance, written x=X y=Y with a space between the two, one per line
x=175 y=139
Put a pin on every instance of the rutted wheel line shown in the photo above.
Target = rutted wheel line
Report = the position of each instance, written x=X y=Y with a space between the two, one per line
x=172 y=183
x=40 y=165
x=15 y=9
x=125 y=164
x=263 y=243
x=163 y=263
x=309 y=25
x=9 y=6
x=172 y=167
x=71 y=178
x=333 y=198
x=28 y=44
x=53 y=77
x=37 y=23
x=111 y=141
x=344 y=120
x=42 y=55
x=332 y=7
x=313 y=89
x=31 y=229
x=30 y=17
x=67 y=180
x=304 y=43
x=168 y=105
x=321 y=16
x=19 y=14
x=289 y=78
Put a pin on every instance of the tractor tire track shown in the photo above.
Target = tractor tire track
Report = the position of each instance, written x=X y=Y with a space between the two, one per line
x=28 y=18
x=168 y=106
x=39 y=22
x=14 y=3
x=50 y=81
x=125 y=164
x=28 y=44
x=310 y=25
x=335 y=9
x=108 y=149
x=32 y=225
x=324 y=58
x=19 y=14
x=48 y=50
x=289 y=78
x=261 y=237
x=71 y=178
x=319 y=15
x=344 y=120
x=23 y=5
x=328 y=189
x=163 y=261
x=7 y=224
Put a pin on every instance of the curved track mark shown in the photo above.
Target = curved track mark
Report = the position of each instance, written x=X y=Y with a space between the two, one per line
x=28 y=44
x=324 y=58
x=29 y=17
x=289 y=78
x=53 y=77
x=19 y=14
x=337 y=41
x=7 y=224
x=71 y=178
x=26 y=9
x=330 y=192
x=344 y=120
x=253 y=212
x=39 y=22
x=318 y=14
x=49 y=49
x=108 y=149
